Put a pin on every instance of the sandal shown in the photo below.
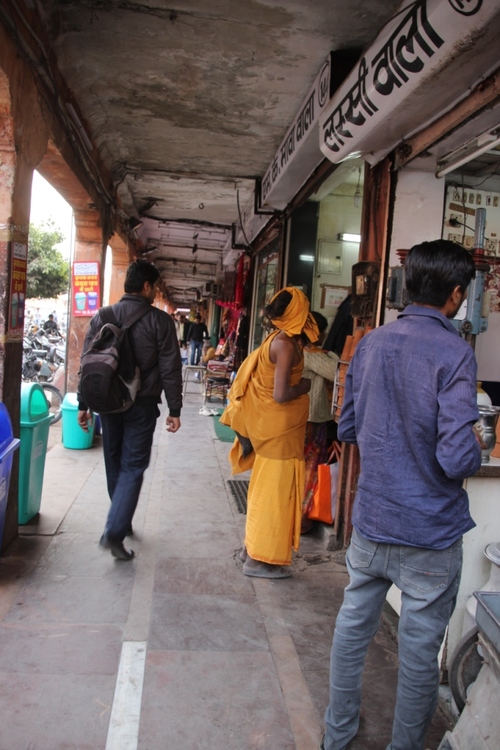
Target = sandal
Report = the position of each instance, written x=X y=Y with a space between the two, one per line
x=257 y=569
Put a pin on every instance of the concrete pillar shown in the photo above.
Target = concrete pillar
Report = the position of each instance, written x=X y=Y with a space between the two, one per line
x=32 y=136
x=418 y=210
x=15 y=192
x=121 y=259
x=90 y=245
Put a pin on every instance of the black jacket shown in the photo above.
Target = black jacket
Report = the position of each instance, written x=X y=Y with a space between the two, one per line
x=156 y=349
x=197 y=332
x=341 y=328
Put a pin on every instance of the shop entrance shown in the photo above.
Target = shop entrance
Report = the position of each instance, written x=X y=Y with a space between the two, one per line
x=325 y=237
x=266 y=285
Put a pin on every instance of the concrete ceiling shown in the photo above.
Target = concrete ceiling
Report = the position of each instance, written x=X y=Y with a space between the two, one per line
x=188 y=101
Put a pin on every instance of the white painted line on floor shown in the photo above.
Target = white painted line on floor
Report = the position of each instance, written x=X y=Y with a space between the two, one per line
x=123 y=732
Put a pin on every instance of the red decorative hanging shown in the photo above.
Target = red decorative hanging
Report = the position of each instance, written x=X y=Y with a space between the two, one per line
x=239 y=290
x=234 y=287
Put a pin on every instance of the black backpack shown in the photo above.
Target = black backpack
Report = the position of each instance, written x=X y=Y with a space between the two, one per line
x=109 y=375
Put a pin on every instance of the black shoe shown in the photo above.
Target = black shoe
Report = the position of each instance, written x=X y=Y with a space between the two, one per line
x=116 y=547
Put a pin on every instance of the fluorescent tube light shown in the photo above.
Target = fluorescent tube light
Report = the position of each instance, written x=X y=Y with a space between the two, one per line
x=467 y=152
x=308 y=258
x=347 y=237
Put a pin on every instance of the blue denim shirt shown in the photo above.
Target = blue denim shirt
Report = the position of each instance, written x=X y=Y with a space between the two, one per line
x=410 y=404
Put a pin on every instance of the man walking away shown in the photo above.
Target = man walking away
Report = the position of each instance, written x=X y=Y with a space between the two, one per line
x=128 y=435
x=197 y=332
x=410 y=405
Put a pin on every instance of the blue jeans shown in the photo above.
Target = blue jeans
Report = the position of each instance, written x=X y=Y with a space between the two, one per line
x=127 y=440
x=196 y=347
x=429 y=581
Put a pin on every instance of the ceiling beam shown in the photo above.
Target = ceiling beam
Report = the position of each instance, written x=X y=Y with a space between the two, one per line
x=483 y=94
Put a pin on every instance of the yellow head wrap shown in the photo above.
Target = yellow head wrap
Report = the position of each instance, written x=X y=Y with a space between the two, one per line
x=296 y=319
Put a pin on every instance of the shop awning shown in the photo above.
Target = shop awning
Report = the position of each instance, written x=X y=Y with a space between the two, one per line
x=422 y=63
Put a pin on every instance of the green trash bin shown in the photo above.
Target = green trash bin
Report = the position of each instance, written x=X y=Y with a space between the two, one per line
x=35 y=424
x=73 y=436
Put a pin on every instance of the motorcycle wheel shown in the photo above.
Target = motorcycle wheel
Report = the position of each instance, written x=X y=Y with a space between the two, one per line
x=54 y=401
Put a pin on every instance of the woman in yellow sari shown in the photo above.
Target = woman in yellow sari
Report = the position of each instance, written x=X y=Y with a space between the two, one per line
x=268 y=409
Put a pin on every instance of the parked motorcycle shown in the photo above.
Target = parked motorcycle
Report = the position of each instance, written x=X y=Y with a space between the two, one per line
x=40 y=366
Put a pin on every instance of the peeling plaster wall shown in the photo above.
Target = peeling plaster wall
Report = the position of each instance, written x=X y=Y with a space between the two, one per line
x=199 y=86
x=418 y=210
x=418 y=214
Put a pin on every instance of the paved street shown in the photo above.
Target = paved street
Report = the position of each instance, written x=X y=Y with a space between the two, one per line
x=177 y=649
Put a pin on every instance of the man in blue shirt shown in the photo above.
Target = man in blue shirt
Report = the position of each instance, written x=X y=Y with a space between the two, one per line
x=410 y=406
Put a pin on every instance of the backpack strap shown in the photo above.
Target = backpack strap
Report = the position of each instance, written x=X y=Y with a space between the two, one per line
x=107 y=315
x=134 y=317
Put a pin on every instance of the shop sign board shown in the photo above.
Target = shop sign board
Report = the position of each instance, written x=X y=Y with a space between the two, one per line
x=298 y=152
x=417 y=42
x=17 y=296
x=85 y=286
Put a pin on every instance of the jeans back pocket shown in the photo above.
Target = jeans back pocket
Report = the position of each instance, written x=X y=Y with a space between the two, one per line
x=426 y=570
x=361 y=551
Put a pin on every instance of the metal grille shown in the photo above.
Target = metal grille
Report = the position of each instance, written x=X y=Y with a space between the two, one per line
x=239 y=489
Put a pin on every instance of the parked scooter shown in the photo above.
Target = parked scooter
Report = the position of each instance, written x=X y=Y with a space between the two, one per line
x=40 y=365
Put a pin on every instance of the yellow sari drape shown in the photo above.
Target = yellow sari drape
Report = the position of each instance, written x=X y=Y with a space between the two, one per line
x=277 y=431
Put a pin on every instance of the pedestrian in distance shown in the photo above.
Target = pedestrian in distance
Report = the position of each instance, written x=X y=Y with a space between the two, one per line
x=196 y=335
x=410 y=406
x=128 y=435
x=50 y=326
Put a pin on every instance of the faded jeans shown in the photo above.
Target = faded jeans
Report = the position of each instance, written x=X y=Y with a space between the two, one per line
x=196 y=349
x=127 y=441
x=428 y=580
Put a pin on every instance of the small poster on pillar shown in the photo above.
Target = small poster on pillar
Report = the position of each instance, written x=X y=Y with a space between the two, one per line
x=19 y=262
x=85 y=286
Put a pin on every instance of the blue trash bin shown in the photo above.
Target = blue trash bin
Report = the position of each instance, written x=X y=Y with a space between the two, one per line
x=8 y=444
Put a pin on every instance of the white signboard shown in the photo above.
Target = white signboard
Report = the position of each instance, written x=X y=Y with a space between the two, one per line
x=409 y=49
x=301 y=134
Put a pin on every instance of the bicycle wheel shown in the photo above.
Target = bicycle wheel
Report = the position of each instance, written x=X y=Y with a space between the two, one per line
x=54 y=401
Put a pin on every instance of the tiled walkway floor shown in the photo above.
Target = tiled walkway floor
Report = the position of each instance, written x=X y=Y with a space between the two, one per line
x=209 y=659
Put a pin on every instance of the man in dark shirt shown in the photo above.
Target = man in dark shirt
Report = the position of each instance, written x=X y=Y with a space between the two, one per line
x=341 y=328
x=410 y=406
x=128 y=435
x=50 y=326
x=196 y=334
